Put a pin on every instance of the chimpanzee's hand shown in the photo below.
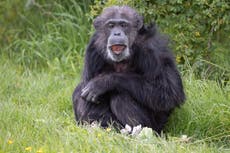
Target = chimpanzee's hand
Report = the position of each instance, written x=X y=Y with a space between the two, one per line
x=94 y=89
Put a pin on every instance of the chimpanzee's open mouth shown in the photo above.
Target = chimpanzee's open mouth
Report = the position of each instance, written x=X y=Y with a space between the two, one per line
x=117 y=48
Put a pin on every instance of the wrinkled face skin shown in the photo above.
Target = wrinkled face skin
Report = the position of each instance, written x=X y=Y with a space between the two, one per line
x=118 y=42
x=117 y=28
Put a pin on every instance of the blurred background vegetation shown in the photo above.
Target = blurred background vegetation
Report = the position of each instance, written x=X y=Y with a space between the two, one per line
x=54 y=33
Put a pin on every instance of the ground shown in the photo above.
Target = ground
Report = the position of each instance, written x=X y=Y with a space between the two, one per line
x=36 y=116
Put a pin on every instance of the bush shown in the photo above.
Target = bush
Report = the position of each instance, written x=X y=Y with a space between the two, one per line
x=198 y=30
x=55 y=33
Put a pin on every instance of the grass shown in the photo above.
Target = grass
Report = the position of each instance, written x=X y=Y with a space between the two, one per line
x=36 y=111
x=52 y=34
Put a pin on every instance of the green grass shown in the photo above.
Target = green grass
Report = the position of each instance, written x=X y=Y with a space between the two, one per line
x=36 y=111
x=50 y=34
x=40 y=60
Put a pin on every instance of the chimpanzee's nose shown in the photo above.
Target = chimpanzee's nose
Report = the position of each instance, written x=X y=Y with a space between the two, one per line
x=117 y=34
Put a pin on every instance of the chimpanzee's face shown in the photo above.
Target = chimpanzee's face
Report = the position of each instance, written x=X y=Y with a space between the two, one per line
x=118 y=47
x=117 y=28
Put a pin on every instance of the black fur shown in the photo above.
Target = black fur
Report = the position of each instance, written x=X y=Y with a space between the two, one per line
x=145 y=92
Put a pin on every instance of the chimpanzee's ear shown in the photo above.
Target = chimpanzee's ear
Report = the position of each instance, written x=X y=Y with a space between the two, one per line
x=97 y=23
x=139 y=21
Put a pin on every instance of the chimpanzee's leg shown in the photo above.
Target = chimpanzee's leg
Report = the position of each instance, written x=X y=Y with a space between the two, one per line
x=128 y=111
x=161 y=119
x=88 y=112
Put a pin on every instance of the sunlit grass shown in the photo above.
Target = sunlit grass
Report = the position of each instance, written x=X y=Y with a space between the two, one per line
x=36 y=115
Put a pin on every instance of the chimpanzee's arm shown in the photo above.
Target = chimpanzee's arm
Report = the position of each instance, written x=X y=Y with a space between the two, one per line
x=163 y=92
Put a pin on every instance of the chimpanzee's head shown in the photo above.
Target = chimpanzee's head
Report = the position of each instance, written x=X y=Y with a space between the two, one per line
x=117 y=28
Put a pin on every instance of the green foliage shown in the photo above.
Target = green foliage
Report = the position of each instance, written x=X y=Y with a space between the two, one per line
x=54 y=34
x=36 y=113
x=197 y=29
x=48 y=33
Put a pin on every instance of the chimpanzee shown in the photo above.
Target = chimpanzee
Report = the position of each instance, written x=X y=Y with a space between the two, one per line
x=129 y=74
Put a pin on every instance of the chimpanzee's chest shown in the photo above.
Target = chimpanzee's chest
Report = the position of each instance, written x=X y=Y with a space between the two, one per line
x=121 y=67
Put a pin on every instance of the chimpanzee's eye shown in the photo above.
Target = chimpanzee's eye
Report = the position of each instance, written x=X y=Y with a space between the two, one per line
x=124 y=25
x=111 y=25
